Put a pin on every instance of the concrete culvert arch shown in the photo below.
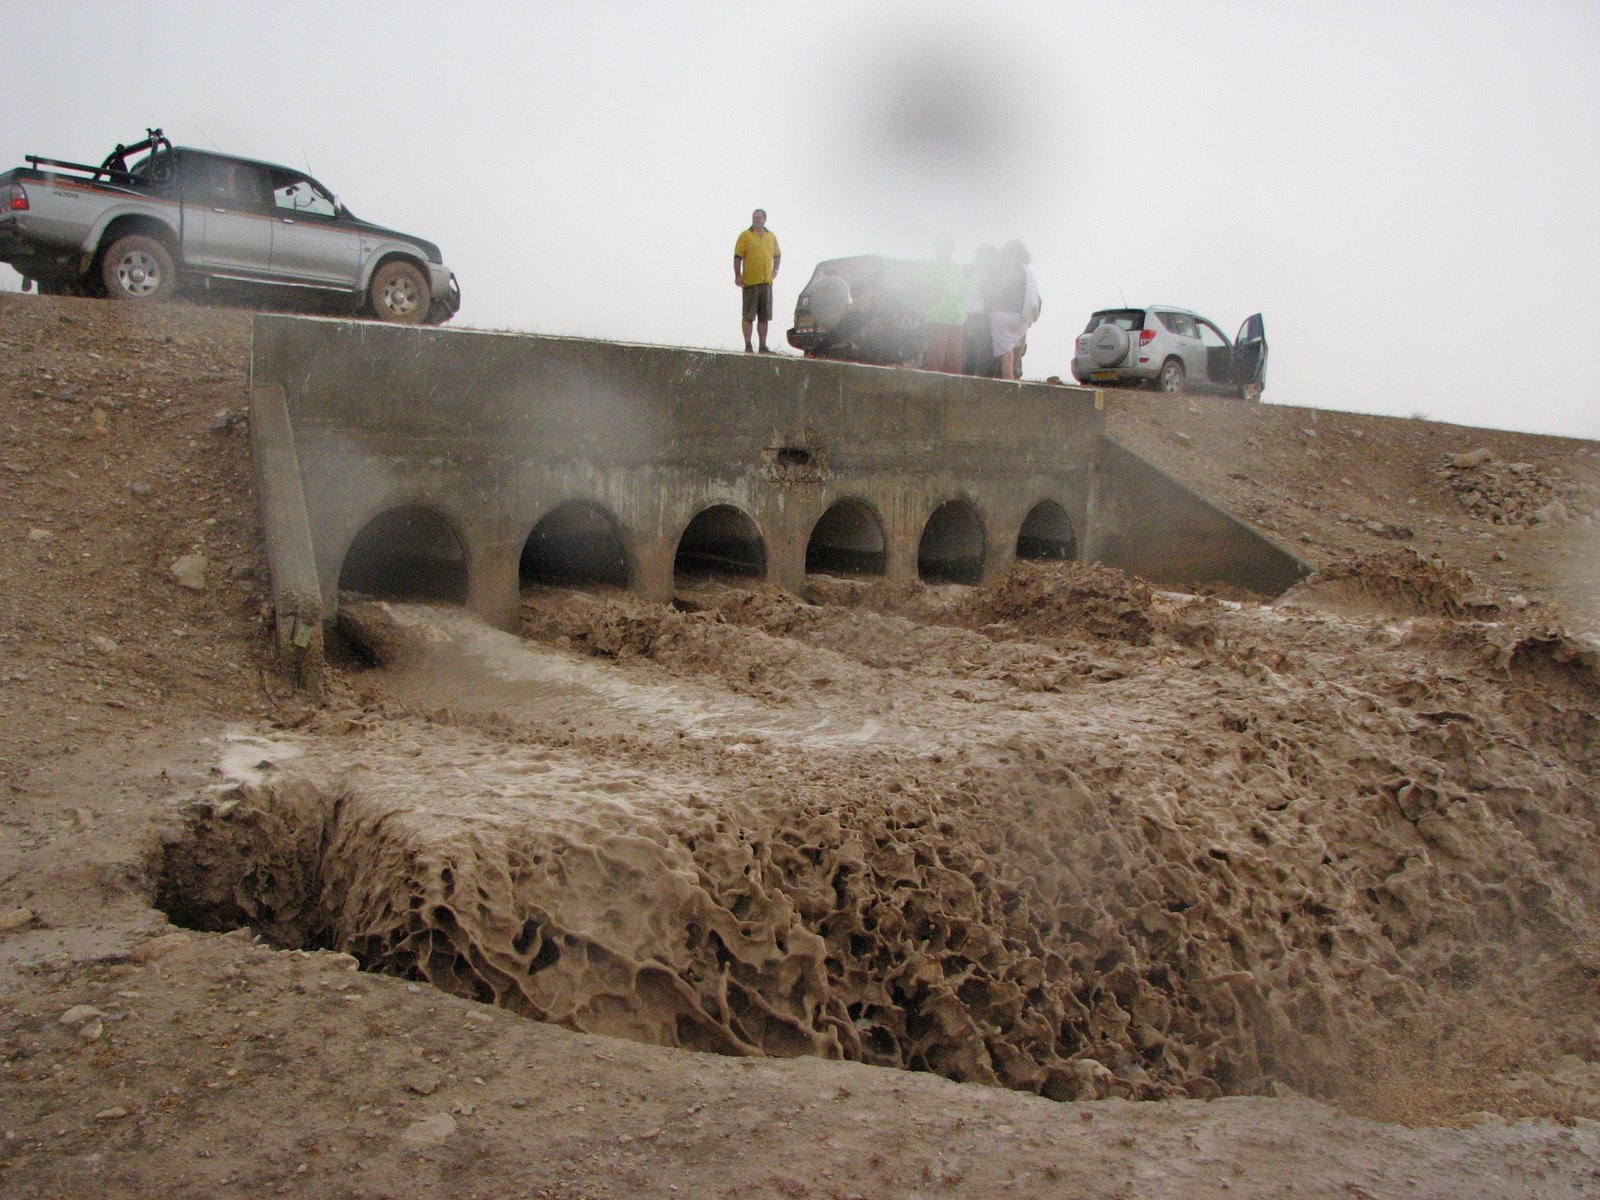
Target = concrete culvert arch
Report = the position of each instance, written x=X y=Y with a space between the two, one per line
x=575 y=543
x=722 y=540
x=1047 y=533
x=847 y=540
x=951 y=550
x=407 y=553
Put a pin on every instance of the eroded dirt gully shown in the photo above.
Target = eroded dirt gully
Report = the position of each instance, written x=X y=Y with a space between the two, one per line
x=1061 y=834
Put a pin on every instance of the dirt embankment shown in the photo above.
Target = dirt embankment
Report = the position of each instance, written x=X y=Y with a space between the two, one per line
x=1520 y=511
x=1062 y=835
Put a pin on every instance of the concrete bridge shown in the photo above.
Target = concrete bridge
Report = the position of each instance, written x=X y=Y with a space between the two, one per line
x=461 y=466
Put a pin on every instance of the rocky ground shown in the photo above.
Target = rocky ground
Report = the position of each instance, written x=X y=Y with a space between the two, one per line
x=1152 y=894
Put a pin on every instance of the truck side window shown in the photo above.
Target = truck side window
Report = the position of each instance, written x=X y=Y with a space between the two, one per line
x=195 y=174
x=297 y=194
x=247 y=185
x=224 y=184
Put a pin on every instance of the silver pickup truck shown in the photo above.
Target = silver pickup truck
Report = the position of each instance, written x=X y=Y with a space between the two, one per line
x=154 y=217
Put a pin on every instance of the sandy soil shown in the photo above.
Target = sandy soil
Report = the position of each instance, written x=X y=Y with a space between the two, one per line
x=1055 y=887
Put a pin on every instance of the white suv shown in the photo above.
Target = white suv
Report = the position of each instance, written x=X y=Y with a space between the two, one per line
x=1171 y=349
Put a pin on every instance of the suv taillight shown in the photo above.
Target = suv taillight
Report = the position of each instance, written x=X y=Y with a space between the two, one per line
x=1146 y=336
x=16 y=199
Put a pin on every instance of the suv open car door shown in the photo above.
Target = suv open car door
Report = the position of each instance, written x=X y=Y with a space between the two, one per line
x=1249 y=372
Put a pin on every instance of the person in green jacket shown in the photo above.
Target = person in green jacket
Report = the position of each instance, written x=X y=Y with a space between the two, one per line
x=945 y=312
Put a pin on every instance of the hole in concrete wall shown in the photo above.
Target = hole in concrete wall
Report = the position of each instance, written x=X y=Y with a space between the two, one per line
x=721 y=541
x=577 y=543
x=847 y=540
x=794 y=460
x=409 y=553
x=951 y=550
x=1047 y=533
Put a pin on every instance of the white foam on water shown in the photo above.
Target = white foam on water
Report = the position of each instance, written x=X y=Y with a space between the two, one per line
x=246 y=757
x=542 y=679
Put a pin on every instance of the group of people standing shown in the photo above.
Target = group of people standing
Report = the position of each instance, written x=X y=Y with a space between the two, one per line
x=976 y=316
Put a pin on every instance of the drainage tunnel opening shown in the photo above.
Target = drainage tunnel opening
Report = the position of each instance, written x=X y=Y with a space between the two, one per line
x=409 y=553
x=951 y=550
x=1047 y=534
x=720 y=541
x=574 y=544
x=847 y=540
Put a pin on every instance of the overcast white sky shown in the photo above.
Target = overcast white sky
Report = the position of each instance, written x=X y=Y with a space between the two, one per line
x=1409 y=191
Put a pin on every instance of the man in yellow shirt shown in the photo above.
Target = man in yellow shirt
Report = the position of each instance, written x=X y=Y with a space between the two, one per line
x=755 y=265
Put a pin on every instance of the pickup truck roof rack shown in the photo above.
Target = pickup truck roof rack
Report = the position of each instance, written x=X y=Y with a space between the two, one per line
x=115 y=166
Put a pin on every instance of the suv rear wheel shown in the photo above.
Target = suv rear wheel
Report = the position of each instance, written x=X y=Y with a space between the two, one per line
x=1172 y=377
x=399 y=293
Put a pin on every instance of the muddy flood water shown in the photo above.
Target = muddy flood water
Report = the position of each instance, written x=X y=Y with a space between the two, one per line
x=1062 y=833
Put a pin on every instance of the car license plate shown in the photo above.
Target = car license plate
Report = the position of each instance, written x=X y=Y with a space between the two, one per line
x=1102 y=376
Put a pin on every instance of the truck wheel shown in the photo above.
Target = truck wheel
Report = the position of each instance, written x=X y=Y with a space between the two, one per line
x=399 y=293
x=138 y=268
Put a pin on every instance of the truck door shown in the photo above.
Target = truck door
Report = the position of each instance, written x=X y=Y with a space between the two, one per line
x=310 y=240
x=194 y=188
x=227 y=216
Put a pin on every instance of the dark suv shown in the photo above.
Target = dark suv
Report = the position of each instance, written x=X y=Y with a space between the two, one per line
x=865 y=309
x=1171 y=349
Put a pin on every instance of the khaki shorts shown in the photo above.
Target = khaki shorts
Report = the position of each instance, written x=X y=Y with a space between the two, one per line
x=758 y=302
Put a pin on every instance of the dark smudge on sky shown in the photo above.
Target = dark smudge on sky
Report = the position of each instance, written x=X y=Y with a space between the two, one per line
x=942 y=134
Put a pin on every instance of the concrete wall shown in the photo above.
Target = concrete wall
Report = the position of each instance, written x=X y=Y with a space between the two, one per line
x=1146 y=522
x=492 y=432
